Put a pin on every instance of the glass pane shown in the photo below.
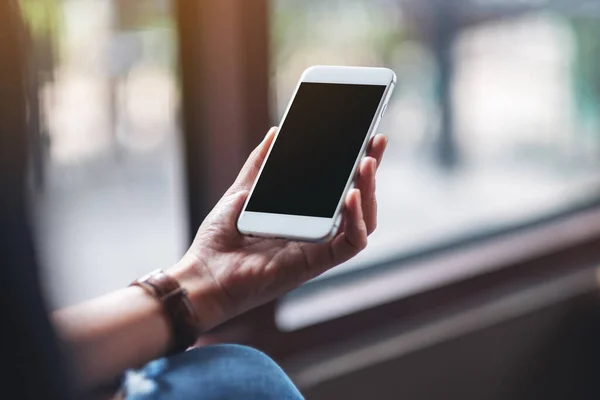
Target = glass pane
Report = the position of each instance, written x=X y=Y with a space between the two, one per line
x=494 y=122
x=109 y=201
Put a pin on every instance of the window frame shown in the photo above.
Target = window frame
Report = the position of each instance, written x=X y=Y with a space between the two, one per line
x=555 y=249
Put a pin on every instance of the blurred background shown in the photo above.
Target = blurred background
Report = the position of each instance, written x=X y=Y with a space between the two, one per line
x=143 y=111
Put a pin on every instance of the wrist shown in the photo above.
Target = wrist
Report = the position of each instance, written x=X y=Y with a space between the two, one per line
x=202 y=289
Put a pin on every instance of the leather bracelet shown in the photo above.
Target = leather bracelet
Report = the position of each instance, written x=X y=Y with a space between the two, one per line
x=182 y=316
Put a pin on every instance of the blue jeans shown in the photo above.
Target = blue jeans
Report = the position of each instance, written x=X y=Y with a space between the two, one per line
x=210 y=373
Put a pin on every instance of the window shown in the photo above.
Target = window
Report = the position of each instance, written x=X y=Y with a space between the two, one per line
x=109 y=194
x=493 y=126
x=520 y=141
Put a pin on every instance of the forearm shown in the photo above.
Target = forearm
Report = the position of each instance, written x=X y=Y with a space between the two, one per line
x=107 y=335
x=129 y=327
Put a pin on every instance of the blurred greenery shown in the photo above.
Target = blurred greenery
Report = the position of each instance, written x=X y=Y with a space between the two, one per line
x=41 y=16
x=586 y=69
x=142 y=14
x=307 y=25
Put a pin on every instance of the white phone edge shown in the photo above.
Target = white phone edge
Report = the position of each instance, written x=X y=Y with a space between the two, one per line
x=307 y=228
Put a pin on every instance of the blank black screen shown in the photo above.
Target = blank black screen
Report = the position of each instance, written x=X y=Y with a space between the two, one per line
x=316 y=148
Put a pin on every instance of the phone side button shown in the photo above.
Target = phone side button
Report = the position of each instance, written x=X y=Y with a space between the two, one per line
x=337 y=223
x=384 y=108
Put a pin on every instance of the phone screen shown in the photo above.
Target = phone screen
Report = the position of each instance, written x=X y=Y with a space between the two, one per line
x=316 y=148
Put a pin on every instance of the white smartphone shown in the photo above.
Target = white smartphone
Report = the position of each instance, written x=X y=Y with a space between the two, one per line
x=323 y=136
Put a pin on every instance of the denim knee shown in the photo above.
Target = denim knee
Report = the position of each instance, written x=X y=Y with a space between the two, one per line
x=212 y=372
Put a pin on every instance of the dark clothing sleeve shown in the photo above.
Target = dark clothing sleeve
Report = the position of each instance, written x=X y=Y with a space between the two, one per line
x=30 y=358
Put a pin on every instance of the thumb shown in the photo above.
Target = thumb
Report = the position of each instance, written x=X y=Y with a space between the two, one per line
x=250 y=169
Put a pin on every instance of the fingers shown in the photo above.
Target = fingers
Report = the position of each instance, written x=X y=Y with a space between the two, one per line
x=377 y=147
x=366 y=180
x=250 y=169
x=366 y=185
x=354 y=238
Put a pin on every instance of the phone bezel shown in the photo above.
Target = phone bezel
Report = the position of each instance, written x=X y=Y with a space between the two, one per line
x=308 y=228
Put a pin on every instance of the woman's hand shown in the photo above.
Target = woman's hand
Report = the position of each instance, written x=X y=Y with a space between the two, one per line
x=224 y=272
x=227 y=273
